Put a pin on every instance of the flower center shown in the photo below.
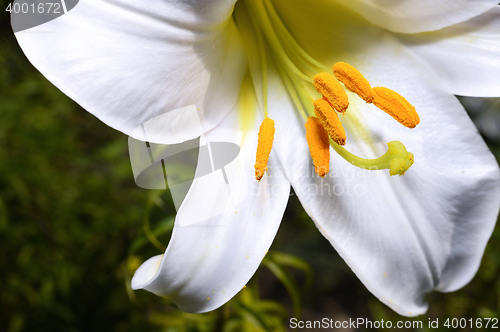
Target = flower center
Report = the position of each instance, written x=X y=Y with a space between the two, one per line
x=323 y=126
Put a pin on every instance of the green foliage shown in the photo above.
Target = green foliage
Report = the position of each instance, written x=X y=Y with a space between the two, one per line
x=68 y=208
x=277 y=263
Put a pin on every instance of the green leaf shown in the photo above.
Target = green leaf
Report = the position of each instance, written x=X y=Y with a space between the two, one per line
x=164 y=226
x=253 y=317
x=4 y=222
x=288 y=281
x=233 y=325
x=295 y=262
x=271 y=307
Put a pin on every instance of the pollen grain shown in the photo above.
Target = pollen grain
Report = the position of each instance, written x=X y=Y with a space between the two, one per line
x=332 y=91
x=317 y=139
x=354 y=81
x=396 y=106
x=330 y=121
x=264 y=146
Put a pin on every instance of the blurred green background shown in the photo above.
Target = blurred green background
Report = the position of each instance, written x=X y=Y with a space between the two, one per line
x=74 y=227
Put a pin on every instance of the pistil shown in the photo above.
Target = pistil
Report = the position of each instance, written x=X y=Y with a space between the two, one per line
x=397 y=159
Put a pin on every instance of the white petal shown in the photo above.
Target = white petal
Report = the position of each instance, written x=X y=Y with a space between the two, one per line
x=465 y=56
x=208 y=262
x=146 y=271
x=127 y=62
x=411 y=16
x=402 y=236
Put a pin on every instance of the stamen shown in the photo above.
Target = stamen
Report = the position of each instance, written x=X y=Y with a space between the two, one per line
x=257 y=9
x=317 y=139
x=294 y=46
x=330 y=120
x=295 y=66
x=354 y=81
x=263 y=58
x=396 y=106
x=331 y=89
x=264 y=146
x=291 y=88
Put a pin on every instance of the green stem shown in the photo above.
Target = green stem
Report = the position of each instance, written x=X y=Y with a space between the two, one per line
x=147 y=229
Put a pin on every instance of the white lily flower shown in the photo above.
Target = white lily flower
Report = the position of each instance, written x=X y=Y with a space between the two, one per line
x=129 y=61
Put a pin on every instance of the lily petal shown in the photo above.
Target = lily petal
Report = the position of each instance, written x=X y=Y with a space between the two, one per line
x=476 y=71
x=127 y=62
x=412 y=16
x=207 y=263
x=402 y=236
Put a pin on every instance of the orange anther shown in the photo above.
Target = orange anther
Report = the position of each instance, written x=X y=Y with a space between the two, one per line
x=330 y=121
x=396 y=106
x=332 y=91
x=354 y=81
x=319 y=146
x=264 y=146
